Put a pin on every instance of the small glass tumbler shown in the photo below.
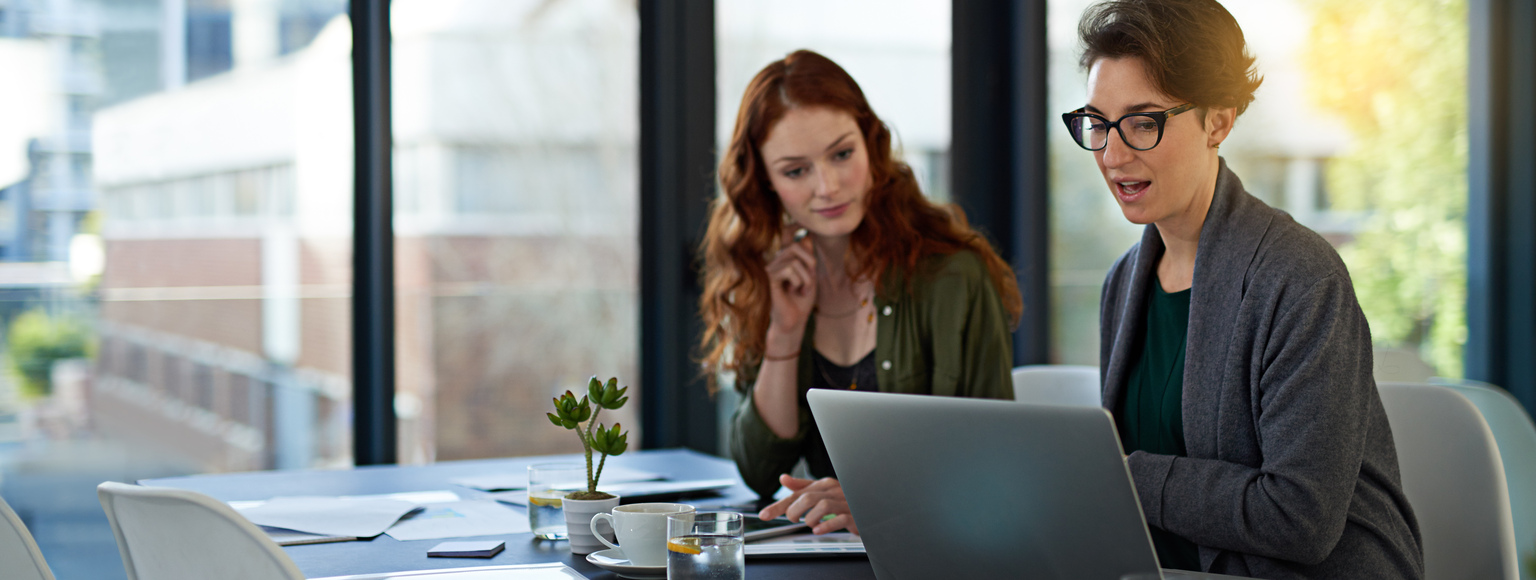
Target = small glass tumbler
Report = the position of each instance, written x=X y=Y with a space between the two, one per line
x=705 y=546
x=547 y=485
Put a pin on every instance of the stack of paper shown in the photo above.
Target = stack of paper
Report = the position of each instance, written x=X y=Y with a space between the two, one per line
x=634 y=489
x=460 y=519
x=519 y=480
x=329 y=516
x=404 y=516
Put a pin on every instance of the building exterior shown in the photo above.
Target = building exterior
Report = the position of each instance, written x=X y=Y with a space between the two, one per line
x=227 y=224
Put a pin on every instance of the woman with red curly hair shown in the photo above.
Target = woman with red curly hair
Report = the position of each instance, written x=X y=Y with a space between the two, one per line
x=825 y=267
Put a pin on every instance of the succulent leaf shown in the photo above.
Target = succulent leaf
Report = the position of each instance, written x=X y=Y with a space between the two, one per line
x=570 y=411
x=595 y=389
x=609 y=441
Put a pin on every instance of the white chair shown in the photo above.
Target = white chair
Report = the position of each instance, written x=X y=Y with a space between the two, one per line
x=1454 y=479
x=19 y=556
x=1516 y=435
x=174 y=534
x=1072 y=385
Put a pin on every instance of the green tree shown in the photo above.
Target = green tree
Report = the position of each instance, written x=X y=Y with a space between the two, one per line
x=37 y=341
x=1395 y=72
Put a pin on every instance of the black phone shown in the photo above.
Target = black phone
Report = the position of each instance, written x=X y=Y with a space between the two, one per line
x=755 y=528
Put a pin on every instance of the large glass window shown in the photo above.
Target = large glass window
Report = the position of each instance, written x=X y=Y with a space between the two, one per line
x=1367 y=149
x=516 y=220
x=174 y=250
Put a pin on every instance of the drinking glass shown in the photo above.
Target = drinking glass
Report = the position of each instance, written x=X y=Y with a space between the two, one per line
x=705 y=546
x=547 y=485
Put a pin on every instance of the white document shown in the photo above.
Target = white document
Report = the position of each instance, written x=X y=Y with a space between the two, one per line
x=801 y=545
x=552 y=571
x=329 y=516
x=460 y=520
x=291 y=538
x=632 y=489
x=415 y=497
x=519 y=480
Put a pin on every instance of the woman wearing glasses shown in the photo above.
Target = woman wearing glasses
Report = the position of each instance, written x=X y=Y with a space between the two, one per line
x=1234 y=355
x=885 y=291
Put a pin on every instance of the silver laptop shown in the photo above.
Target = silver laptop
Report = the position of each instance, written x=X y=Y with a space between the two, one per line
x=946 y=487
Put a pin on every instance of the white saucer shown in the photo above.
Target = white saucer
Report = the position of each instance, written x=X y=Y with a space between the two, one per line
x=614 y=561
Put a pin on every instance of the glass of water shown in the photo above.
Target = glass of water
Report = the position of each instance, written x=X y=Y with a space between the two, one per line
x=547 y=485
x=705 y=546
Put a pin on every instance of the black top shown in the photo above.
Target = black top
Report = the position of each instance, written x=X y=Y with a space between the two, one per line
x=1152 y=417
x=828 y=375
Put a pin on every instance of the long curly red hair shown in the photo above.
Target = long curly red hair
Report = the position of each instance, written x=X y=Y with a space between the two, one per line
x=900 y=225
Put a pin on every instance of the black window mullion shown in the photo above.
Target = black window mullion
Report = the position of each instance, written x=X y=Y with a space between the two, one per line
x=373 y=239
x=677 y=123
x=999 y=157
x=1501 y=205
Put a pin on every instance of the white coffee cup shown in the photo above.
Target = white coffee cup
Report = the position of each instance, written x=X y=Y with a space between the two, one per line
x=642 y=530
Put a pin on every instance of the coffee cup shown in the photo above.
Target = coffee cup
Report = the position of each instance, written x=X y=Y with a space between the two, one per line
x=641 y=529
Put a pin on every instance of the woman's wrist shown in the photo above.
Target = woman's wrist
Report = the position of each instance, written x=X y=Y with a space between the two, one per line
x=770 y=357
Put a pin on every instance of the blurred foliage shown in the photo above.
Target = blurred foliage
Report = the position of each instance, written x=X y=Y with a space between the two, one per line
x=1395 y=71
x=36 y=341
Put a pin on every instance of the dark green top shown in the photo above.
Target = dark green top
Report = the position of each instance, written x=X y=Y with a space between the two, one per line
x=1152 y=419
x=945 y=334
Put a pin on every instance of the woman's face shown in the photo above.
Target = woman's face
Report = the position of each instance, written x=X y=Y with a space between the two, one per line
x=819 y=167
x=1167 y=181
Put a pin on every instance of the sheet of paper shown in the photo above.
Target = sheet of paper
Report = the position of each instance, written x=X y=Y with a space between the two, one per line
x=291 y=538
x=632 y=489
x=519 y=480
x=553 y=571
x=802 y=545
x=329 y=516
x=460 y=520
x=415 y=497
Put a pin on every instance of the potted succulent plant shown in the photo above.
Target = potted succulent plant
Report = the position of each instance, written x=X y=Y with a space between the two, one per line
x=581 y=417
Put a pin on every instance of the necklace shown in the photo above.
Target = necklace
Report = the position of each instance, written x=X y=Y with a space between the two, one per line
x=858 y=370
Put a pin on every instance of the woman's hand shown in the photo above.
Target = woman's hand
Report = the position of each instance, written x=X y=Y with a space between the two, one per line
x=813 y=501
x=792 y=288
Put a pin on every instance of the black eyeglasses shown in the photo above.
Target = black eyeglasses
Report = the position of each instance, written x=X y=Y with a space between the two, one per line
x=1091 y=131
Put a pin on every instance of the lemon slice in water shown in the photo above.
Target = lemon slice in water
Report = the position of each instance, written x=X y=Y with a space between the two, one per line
x=544 y=501
x=684 y=546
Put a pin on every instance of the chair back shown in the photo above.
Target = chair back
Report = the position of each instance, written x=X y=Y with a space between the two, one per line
x=19 y=556
x=1516 y=435
x=1071 y=385
x=1454 y=479
x=174 y=534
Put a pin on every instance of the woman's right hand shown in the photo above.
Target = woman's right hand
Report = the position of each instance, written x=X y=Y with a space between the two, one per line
x=792 y=286
x=819 y=503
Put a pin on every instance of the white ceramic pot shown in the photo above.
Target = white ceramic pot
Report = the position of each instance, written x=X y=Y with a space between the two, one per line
x=578 y=523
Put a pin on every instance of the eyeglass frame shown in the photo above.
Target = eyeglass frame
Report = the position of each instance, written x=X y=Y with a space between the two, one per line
x=1160 y=117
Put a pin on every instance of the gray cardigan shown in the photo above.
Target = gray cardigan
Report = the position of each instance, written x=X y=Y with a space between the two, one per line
x=1291 y=471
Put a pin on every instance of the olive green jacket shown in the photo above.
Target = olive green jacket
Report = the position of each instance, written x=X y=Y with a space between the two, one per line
x=945 y=334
